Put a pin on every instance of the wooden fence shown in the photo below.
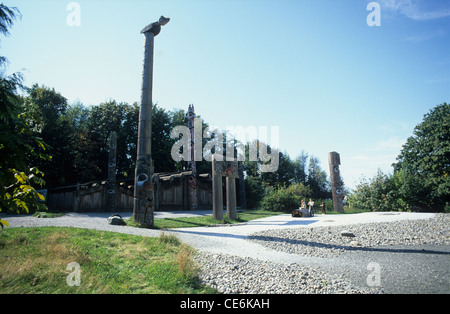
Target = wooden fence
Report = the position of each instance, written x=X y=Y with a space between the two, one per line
x=95 y=196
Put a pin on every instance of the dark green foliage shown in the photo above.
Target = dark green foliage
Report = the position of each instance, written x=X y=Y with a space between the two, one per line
x=425 y=161
x=380 y=193
x=45 y=110
x=254 y=191
x=421 y=178
x=18 y=144
x=286 y=199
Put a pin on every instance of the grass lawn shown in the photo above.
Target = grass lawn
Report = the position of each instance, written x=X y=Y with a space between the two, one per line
x=204 y=221
x=35 y=260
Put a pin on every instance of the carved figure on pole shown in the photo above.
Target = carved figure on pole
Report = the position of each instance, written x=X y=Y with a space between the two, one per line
x=143 y=210
x=111 y=187
x=192 y=203
x=337 y=185
x=228 y=169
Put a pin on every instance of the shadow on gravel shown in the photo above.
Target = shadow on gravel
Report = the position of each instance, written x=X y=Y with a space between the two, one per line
x=347 y=247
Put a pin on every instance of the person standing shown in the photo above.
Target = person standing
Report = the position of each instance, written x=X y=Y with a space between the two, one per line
x=324 y=211
x=311 y=207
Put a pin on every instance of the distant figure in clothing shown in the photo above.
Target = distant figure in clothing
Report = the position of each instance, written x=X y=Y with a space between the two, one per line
x=311 y=207
x=324 y=211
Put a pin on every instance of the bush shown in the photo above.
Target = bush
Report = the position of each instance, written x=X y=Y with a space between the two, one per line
x=328 y=206
x=285 y=199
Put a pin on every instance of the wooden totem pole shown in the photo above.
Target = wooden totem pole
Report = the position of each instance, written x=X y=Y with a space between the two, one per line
x=228 y=169
x=111 y=188
x=337 y=185
x=143 y=205
x=192 y=187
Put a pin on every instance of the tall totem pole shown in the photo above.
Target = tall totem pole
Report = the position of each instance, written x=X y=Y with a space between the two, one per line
x=111 y=187
x=143 y=205
x=334 y=160
x=192 y=161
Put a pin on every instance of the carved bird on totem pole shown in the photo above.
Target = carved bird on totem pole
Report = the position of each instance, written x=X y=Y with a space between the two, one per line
x=155 y=27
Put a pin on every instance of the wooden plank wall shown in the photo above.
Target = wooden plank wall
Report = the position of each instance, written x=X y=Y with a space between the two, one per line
x=91 y=197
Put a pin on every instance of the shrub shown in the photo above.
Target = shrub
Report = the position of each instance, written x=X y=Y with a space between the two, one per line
x=285 y=199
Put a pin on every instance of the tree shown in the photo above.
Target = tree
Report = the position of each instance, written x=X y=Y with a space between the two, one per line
x=161 y=140
x=93 y=126
x=317 y=179
x=45 y=109
x=11 y=83
x=103 y=119
x=254 y=191
x=7 y=17
x=284 y=175
x=380 y=193
x=425 y=161
x=18 y=144
x=300 y=168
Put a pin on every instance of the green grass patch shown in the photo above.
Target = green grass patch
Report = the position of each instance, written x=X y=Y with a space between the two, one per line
x=34 y=260
x=205 y=221
x=47 y=215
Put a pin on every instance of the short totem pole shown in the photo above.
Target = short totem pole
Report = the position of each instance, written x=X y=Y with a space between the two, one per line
x=228 y=169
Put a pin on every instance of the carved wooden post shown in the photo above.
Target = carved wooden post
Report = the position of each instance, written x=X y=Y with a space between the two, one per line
x=77 y=199
x=231 y=197
x=143 y=210
x=217 y=189
x=334 y=161
x=242 y=193
x=231 y=173
x=192 y=199
x=229 y=169
x=110 y=200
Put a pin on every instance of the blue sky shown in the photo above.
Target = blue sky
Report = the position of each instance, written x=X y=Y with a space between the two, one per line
x=314 y=68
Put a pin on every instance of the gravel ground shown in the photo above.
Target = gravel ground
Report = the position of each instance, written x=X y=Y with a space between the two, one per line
x=233 y=274
x=329 y=241
x=409 y=256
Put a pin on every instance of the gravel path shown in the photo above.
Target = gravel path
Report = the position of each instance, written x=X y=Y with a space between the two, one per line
x=408 y=256
x=234 y=274
x=327 y=241
x=405 y=252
